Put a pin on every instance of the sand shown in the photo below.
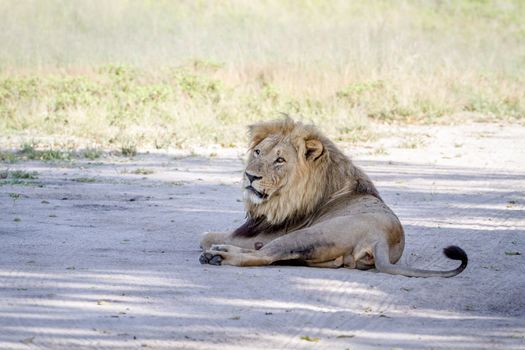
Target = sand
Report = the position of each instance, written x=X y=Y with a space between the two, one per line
x=94 y=256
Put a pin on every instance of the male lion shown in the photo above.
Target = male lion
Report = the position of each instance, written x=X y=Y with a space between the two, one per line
x=307 y=202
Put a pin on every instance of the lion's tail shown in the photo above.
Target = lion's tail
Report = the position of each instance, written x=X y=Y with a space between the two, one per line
x=383 y=264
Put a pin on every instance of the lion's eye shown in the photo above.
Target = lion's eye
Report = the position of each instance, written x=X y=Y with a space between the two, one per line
x=257 y=152
x=280 y=160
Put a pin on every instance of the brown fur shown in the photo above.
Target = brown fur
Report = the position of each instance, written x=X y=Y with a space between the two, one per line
x=306 y=201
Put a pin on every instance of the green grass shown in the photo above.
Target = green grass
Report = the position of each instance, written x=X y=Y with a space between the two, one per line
x=379 y=151
x=128 y=149
x=92 y=153
x=18 y=182
x=19 y=178
x=75 y=73
x=7 y=157
x=412 y=142
x=21 y=174
x=29 y=152
x=14 y=195
x=143 y=171
x=85 y=179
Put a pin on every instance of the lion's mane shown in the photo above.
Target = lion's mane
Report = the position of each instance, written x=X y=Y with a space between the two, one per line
x=322 y=183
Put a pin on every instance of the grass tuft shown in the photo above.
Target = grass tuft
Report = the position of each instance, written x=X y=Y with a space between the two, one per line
x=92 y=153
x=28 y=151
x=7 y=157
x=129 y=150
x=21 y=174
x=85 y=179
x=143 y=171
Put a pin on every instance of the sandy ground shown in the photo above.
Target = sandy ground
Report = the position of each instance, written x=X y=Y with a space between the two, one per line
x=113 y=264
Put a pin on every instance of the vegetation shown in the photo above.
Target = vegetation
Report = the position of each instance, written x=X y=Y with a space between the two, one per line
x=92 y=153
x=142 y=171
x=21 y=174
x=126 y=75
x=28 y=152
x=85 y=179
x=18 y=178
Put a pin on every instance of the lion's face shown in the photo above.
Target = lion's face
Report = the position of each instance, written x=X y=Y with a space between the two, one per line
x=285 y=174
x=271 y=166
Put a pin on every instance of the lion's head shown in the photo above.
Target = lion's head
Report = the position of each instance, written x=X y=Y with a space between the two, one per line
x=292 y=170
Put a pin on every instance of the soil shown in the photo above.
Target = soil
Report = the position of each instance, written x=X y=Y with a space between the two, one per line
x=94 y=256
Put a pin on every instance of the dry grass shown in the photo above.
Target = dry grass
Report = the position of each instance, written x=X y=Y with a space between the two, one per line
x=127 y=74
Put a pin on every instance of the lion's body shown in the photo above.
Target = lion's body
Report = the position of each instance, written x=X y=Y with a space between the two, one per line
x=306 y=201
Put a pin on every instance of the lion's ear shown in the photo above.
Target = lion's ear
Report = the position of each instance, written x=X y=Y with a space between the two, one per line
x=314 y=149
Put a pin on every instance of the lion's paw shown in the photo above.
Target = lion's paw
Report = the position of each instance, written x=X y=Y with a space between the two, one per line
x=209 y=258
x=224 y=254
x=217 y=254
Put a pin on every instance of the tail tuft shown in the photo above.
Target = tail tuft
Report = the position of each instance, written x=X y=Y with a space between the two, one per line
x=456 y=253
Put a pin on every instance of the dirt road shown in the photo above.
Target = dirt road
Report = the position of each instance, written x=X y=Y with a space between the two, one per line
x=100 y=255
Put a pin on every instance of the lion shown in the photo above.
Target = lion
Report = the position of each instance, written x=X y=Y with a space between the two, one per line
x=307 y=203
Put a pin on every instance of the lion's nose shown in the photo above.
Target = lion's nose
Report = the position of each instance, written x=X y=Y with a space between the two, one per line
x=252 y=178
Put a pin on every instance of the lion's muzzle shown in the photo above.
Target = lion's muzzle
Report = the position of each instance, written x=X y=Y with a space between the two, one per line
x=257 y=193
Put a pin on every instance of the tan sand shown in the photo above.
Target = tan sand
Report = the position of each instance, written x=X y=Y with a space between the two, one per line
x=113 y=264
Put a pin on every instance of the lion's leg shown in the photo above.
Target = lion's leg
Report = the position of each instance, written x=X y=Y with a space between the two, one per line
x=348 y=261
x=223 y=254
x=215 y=238
x=307 y=245
x=342 y=261
x=328 y=264
x=211 y=238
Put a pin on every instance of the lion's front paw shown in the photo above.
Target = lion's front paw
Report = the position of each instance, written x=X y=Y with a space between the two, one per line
x=209 y=258
x=222 y=254
x=217 y=254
